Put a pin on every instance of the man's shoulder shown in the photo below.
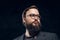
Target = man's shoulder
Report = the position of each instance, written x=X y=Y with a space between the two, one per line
x=48 y=33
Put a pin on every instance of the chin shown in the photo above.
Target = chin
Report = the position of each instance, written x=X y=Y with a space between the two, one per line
x=35 y=24
x=33 y=27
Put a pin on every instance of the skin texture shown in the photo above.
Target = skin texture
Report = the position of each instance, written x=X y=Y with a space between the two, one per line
x=29 y=20
x=32 y=23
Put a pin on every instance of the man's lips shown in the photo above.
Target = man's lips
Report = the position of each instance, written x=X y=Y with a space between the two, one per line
x=35 y=22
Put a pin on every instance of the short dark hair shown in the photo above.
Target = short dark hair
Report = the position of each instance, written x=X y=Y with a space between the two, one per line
x=24 y=12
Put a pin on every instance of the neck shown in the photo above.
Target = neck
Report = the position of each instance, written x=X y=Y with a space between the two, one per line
x=27 y=33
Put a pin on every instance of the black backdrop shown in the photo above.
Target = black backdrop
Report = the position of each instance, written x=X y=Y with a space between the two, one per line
x=11 y=12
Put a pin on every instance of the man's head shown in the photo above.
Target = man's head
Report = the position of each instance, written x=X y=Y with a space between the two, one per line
x=31 y=18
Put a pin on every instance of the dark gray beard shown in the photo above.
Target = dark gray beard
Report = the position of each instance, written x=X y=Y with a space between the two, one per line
x=33 y=30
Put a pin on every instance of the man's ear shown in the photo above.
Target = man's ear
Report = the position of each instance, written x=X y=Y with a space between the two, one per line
x=23 y=20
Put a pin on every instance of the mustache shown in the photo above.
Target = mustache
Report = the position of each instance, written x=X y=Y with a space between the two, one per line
x=35 y=21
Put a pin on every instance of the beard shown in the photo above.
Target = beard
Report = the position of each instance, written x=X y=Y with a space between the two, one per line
x=33 y=29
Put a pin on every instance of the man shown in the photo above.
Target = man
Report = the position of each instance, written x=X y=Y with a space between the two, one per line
x=31 y=20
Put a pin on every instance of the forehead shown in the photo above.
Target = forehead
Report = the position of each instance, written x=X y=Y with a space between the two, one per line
x=32 y=11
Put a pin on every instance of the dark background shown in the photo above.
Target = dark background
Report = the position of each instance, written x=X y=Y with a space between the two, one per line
x=11 y=12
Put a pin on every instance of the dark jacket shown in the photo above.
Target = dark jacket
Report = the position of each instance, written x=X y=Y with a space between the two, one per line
x=42 y=36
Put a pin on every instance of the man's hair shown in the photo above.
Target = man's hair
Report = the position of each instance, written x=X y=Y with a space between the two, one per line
x=24 y=12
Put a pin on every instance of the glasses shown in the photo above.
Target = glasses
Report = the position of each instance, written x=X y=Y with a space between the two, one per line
x=33 y=16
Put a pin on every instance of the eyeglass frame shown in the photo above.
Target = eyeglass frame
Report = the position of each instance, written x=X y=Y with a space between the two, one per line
x=33 y=16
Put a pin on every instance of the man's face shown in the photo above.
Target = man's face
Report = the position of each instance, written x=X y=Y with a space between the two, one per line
x=32 y=19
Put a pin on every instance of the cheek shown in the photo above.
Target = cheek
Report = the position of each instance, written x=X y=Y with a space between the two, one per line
x=39 y=21
x=29 y=20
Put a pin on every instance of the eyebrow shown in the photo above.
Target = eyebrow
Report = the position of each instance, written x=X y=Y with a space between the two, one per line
x=35 y=14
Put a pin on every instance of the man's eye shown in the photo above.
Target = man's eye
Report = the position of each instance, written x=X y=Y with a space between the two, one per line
x=32 y=15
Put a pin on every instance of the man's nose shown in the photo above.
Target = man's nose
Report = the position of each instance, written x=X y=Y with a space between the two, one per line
x=36 y=17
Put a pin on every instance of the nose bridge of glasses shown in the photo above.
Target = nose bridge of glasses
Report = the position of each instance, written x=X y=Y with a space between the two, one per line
x=35 y=17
